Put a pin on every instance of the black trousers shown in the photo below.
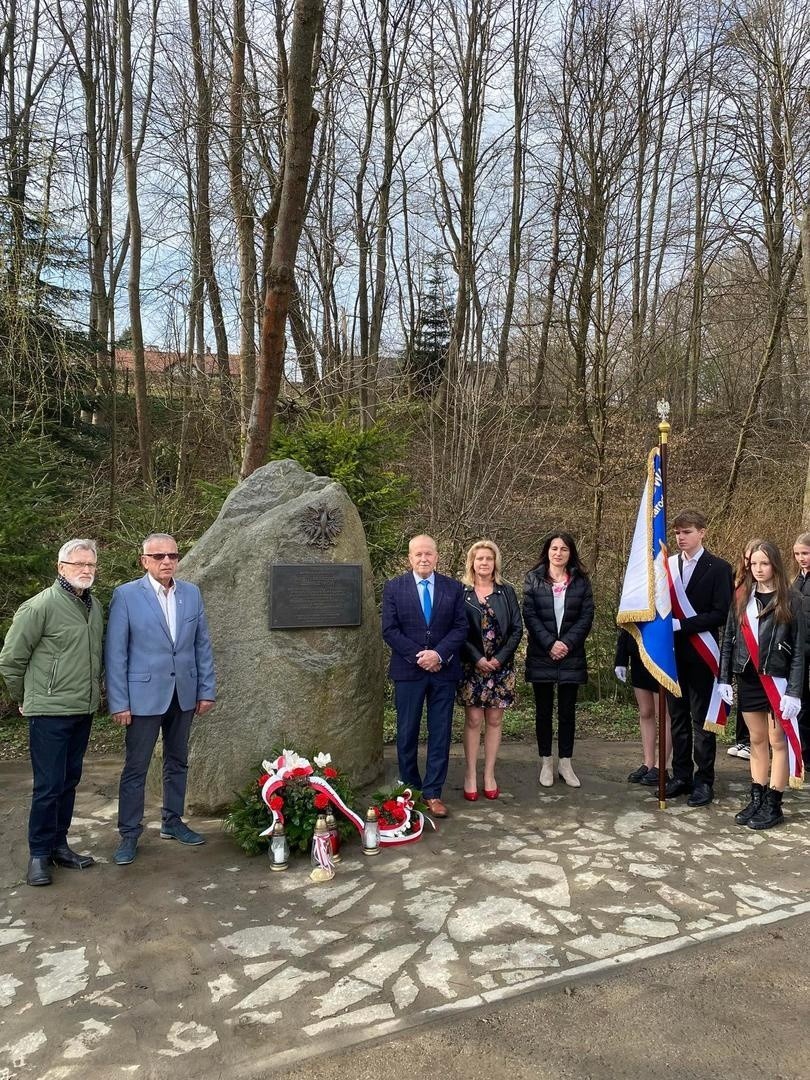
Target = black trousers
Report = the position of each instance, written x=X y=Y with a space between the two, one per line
x=57 y=745
x=566 y=716
x=687 y=715
x=804 y=717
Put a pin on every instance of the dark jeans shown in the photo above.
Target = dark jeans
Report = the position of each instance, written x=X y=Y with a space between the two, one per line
x=56 y=745
x=141 y=737
x=410 y=697
x=687 y=715
x=566 y=716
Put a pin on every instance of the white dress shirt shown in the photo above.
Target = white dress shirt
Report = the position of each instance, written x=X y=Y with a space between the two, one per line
x=688 y=565
x=167 y=599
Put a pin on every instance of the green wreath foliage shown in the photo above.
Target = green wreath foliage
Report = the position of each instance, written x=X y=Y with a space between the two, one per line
x=248 y=816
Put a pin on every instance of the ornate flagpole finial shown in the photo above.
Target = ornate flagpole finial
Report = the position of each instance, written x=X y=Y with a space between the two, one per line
x=662 y=408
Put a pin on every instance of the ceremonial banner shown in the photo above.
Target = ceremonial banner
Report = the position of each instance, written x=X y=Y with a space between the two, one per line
x=645 y=608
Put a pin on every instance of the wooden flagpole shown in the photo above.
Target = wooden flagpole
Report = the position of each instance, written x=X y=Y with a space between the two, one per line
x=663 y=437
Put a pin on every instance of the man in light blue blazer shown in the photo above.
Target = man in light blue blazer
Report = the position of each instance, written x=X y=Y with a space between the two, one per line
x=160 y=675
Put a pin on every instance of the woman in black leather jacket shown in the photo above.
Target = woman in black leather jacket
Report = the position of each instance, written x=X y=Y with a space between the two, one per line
x=766 y=614
x=558 y=611
x=494 y=630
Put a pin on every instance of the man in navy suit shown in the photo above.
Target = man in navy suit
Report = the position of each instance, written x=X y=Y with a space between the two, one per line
x=424 y=623
x=708 y=583
x=160 y=675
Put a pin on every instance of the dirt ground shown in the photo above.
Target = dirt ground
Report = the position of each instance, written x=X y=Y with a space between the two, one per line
x=553 y=934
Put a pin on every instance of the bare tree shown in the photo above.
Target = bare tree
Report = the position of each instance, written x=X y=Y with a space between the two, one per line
x=525 y=24
x=464 y=58
x=300 y=135
x=131 y=144
x=243 y=216
x=27 y=66
x=204 y=256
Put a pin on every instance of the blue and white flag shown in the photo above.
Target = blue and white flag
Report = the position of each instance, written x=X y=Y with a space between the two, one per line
x=645 y=608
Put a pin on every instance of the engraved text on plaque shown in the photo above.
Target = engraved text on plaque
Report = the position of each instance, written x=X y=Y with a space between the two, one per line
x=315 y=594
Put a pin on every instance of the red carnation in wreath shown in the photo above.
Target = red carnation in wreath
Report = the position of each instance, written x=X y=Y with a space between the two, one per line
x=321 y=801
x=276 y=803
x=330 y=773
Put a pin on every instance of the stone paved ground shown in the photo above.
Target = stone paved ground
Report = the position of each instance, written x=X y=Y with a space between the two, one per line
x=193 y=962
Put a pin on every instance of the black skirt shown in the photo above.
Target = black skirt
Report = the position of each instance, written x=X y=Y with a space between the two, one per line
x=751 y=696
x=640 y=678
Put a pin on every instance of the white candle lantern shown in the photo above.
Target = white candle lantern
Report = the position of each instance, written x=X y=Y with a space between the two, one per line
x=371 y=833
x=279 y=848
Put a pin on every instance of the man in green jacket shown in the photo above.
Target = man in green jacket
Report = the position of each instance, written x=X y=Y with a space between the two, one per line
x=51 y=662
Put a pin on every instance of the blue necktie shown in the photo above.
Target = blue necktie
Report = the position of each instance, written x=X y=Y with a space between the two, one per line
x=427 y=607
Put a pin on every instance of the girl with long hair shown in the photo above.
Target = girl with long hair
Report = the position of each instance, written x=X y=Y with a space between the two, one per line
x=742 y=747
x=763 y=648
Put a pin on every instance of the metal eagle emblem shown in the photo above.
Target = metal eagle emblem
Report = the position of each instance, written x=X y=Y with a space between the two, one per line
x=321 y=526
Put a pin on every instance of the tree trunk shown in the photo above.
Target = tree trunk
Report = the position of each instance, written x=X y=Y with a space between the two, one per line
x=203 y=217
x=524 y=17
x=134 y=215
x=244 y=220
x=554 y=265
x=304 y=346
x=805 y=241
x=764 y=367
x=301 y=123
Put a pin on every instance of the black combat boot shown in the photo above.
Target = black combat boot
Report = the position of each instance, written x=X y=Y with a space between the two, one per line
x=757 y=795
x=770 y=813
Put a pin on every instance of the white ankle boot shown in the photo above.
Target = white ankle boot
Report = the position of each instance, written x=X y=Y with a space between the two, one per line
x=546 y=771
x=567 y=773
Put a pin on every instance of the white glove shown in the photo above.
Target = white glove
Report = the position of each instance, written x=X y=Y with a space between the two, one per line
x=726 y=692
x=621 y=673
x=790 y=707
x=676 y=625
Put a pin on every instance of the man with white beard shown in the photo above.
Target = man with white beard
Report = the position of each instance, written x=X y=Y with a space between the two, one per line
x=51 y=662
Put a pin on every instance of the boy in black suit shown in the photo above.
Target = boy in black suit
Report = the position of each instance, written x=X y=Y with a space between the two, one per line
x=707 y=582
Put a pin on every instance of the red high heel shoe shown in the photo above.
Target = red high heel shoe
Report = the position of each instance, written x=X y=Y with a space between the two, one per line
x=471 y=796
x=493 y=794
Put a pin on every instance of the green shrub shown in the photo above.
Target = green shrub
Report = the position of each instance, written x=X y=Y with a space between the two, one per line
x=35 y=481
x=184 y=515
x=363 y=461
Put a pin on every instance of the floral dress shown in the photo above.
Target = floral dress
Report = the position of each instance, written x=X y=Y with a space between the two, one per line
x=492 y=690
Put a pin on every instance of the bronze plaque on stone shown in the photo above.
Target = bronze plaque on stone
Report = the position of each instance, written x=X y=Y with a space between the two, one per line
x=315 y=594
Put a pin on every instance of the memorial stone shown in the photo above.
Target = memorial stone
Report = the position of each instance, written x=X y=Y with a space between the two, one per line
x=314 y=688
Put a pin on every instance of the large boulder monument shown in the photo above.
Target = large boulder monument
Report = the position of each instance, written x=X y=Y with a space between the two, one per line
x=289 y=594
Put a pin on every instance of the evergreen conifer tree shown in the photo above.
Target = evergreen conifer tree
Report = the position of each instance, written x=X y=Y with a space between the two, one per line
x=426 y=355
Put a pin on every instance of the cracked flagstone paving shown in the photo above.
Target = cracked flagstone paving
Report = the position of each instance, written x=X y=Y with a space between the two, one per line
x=193 y=953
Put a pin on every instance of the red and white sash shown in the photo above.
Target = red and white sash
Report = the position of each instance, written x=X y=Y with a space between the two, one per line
x=703 y=643
x=390 y=835
x=774 y=686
